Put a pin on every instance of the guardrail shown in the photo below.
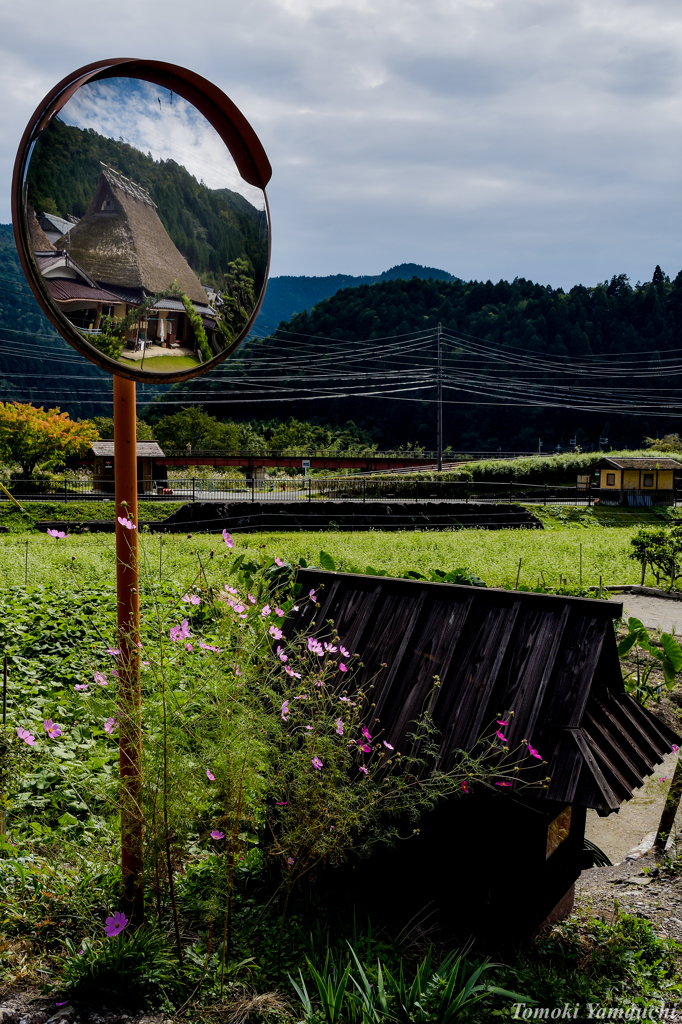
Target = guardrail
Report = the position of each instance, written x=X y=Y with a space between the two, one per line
x=318 y=489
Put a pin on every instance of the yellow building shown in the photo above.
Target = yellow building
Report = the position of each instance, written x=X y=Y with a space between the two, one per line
x=637 y=481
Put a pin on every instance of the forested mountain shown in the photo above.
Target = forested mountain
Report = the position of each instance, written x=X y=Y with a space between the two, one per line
x=210 y=227
x=286 y=295
x=608 y=320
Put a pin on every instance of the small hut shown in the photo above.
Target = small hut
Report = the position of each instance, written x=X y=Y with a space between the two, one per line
x=498 y=862
x=148 y=472
x=637 y=481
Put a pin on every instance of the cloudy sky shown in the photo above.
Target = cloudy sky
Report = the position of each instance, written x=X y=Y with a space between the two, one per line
x=492 y=138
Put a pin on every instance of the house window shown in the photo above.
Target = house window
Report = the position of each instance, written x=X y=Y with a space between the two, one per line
x=648 y=480
x=610 y=479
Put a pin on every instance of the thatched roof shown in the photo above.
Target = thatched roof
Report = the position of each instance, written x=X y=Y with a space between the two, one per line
x=39 y=240
x=121 y=241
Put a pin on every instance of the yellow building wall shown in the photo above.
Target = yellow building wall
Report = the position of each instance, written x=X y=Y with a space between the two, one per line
x=633 y=479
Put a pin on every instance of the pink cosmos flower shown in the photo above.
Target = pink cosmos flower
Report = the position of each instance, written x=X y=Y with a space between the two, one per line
x=502 y=723
x=674 y=747
x=58 y=534
x=309 y=728
x=228 y=540
x=316 y=763
x=237 y=670
x=285 y=710
x=330 y=649
x=208 y=647
x=503 y=783
x=275 y=632
x=365 y=732
x=663 y=778
x=301 y=696
x=81 y=686
x=191 y=599
x=290 y=860
x=280 y=612
x=239 y=608
x=290 y=672
x=278 y=561
x=315 y=646
x=347 y=700
x=501 y=737
x=465 y=786
x=231 y=590
x=100 y=679
x=251 y=598
x=342 y=667
x=215 y=834
x=180 y=632
x=188 y=647
x=282 y=803
x=209 y=775
x=52 y=730
x=26 y=736
x=533 y=752
x=281 y=655
x=388 y=745
x=366 y=747
x=266 y=610
x=109 y=725
x=343 y=651
x=114 y=672
x=312 y=596
x=113 y=651
x=115 y=925
x=363 y=769
x=339 y=726
x=128 y=524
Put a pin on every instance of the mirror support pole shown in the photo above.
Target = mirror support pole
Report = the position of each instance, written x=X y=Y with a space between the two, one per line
x=128 y=608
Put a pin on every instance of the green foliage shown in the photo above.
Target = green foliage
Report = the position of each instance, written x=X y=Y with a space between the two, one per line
x=667 y=658
x=668 y=443
x=136 y=968
x=238 y=300
x=589 y=960
x=105 y=428
x=660 y=548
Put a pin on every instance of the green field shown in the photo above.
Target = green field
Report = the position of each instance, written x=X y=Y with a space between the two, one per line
x=492 y=555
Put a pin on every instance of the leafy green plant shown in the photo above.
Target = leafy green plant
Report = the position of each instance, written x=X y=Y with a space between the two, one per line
x=134 y=967
x=648 y=656
x=661 y=549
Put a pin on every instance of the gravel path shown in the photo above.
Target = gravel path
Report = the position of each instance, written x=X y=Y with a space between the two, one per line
x=628 y=889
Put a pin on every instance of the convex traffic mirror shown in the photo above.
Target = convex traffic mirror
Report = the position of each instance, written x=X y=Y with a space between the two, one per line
x=141 y=218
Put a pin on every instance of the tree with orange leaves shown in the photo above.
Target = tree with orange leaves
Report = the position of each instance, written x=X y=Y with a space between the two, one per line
x=35 y=437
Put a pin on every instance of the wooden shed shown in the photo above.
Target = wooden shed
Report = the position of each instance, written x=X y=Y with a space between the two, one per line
x=102 y=456
x=637 y=481
x=496 y=863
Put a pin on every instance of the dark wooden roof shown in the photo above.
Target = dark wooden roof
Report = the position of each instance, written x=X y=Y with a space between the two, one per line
x=638 y=463
x=551 y=660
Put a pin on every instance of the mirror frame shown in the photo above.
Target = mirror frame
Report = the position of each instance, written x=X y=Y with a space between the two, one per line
x=221 y=113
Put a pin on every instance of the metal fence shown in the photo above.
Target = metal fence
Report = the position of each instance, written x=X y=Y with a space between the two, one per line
x=318 y=489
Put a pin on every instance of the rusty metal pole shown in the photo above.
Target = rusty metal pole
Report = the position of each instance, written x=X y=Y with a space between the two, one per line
x=128 y=608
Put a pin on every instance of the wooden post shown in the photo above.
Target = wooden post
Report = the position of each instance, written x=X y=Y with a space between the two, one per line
x=672 y=802
x=128 y=608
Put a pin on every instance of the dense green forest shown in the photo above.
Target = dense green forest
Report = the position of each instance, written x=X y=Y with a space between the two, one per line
x=609 y=319
x=287 y=295
x=210 y=227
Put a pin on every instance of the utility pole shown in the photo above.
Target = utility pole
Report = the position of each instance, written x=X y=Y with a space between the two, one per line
x=439 y=407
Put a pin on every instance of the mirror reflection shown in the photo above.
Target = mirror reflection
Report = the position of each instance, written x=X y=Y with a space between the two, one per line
x=146 y=236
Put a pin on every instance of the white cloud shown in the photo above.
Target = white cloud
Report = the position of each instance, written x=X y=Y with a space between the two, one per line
x=493 y=138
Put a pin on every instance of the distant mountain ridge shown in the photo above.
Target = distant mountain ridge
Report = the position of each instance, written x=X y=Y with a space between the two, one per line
x=288 y=295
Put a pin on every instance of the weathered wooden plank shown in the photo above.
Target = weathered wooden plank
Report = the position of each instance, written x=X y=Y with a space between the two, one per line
x=469 y=685
x=604 y=729
x=579 y=654
x=428 y=654
x=528 y=668
x=610 y=798
x=564 y=770
x=621 y=781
